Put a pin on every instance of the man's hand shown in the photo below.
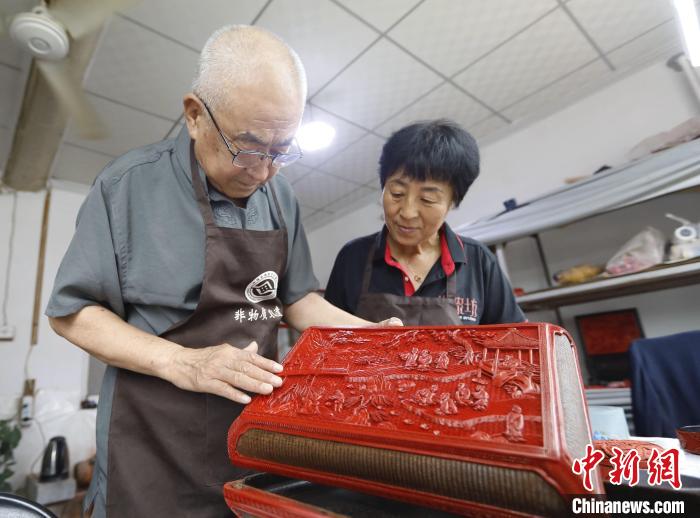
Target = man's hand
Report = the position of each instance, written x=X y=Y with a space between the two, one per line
x=390 y=322
x=224 y=370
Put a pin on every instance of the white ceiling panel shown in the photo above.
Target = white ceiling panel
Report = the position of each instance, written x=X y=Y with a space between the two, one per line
x=12 y=7
x=611 y=24
x=192 y=26
x=317 y=190
x=324 y=35
x=546 y=51
x=487 y=127
x=446 y=101
x=295 y=171
x=127 y=128
x=381 y=15
x=306 y=211
x=78 y=165
x=5 y=144
x=451 y=34
x=10 y=55
x=142 y=69
x=659 y=43
x=345 y=134
x=523 y=58
x=359 y=163
x=353 y=201
x=175 y=130
x=316 y=220
x=377 y=85
x=562 y=92
x=11 y=92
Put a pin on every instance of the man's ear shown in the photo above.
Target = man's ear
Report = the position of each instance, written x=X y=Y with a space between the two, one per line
x=194 y=115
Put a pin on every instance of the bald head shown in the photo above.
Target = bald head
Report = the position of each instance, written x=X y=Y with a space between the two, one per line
x=238 y=59
x=249 y=95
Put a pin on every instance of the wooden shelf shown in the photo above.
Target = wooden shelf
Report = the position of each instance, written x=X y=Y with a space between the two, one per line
x=659 y=278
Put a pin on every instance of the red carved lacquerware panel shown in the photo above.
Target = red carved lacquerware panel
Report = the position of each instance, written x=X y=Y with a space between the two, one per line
x=402 y=412
x=459 y=383
x=247 y=501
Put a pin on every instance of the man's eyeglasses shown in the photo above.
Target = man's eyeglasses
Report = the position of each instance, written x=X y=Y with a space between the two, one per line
x=244 y=158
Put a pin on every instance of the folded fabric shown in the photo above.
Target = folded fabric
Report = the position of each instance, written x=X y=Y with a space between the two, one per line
x=665 y=383
x=684 y=132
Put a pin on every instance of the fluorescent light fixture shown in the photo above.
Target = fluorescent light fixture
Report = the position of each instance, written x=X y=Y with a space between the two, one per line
x=688 y=17
x=315 y=135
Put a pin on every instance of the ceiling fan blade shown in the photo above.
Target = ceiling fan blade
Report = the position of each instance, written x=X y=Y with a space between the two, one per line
x=82 y=17
x=73 y=99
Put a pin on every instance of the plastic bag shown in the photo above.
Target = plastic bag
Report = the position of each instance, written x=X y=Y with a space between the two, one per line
x=643 y=251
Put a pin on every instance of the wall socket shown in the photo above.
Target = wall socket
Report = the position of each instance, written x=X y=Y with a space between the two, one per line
x=7 y=332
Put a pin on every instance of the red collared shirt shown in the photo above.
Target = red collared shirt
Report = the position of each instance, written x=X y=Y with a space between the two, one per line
x=446 y=261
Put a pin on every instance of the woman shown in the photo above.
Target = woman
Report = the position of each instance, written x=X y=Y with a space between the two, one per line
x=416 y=267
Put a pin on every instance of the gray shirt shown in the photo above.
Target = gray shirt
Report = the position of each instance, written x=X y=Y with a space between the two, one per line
x=138 y=247
x=138 y=250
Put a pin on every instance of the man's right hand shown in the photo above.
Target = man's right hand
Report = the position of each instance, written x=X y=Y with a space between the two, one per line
x=224 y=370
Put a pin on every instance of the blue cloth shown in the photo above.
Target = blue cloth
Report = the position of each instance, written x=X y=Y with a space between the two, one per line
x=665 y=383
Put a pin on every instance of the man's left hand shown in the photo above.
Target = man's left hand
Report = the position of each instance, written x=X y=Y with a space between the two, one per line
x=390 y=322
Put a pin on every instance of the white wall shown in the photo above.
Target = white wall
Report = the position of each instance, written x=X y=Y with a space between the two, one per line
x=326 y=241
x=21 y=281
x=536 y=157
x=60 y=369
x=595 y=241
x=598 y=130
x=533 y=159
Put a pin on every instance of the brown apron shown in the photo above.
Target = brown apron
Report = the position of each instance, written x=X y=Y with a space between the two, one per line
x=167 y=453
x=413 y=311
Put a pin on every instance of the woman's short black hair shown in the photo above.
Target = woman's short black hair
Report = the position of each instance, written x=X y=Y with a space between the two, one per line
x=438 y=150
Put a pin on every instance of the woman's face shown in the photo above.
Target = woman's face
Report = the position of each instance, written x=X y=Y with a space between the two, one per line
x=414 y=211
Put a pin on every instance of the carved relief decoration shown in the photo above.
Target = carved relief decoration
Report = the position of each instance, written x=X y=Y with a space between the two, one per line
x=450 y=382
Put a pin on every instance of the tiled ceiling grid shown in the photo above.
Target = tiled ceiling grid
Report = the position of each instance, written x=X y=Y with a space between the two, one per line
x=373 y=67
x=14 y=66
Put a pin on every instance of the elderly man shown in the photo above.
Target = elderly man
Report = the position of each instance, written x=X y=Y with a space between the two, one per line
x=186 y=255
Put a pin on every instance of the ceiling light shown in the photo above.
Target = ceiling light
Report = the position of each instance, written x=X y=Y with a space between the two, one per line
x=688 y=18
x=315 y=135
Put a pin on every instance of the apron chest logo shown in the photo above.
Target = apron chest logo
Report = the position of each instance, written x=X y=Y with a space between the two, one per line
x=467 y=308
x=263 y=287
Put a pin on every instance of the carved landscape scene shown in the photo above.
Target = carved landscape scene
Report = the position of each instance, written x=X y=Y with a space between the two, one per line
x=481 y=385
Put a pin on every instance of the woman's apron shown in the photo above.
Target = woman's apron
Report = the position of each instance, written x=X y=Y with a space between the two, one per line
x=413 y=311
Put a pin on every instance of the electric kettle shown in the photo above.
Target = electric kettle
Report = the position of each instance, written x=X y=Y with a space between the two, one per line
x=55 y=463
